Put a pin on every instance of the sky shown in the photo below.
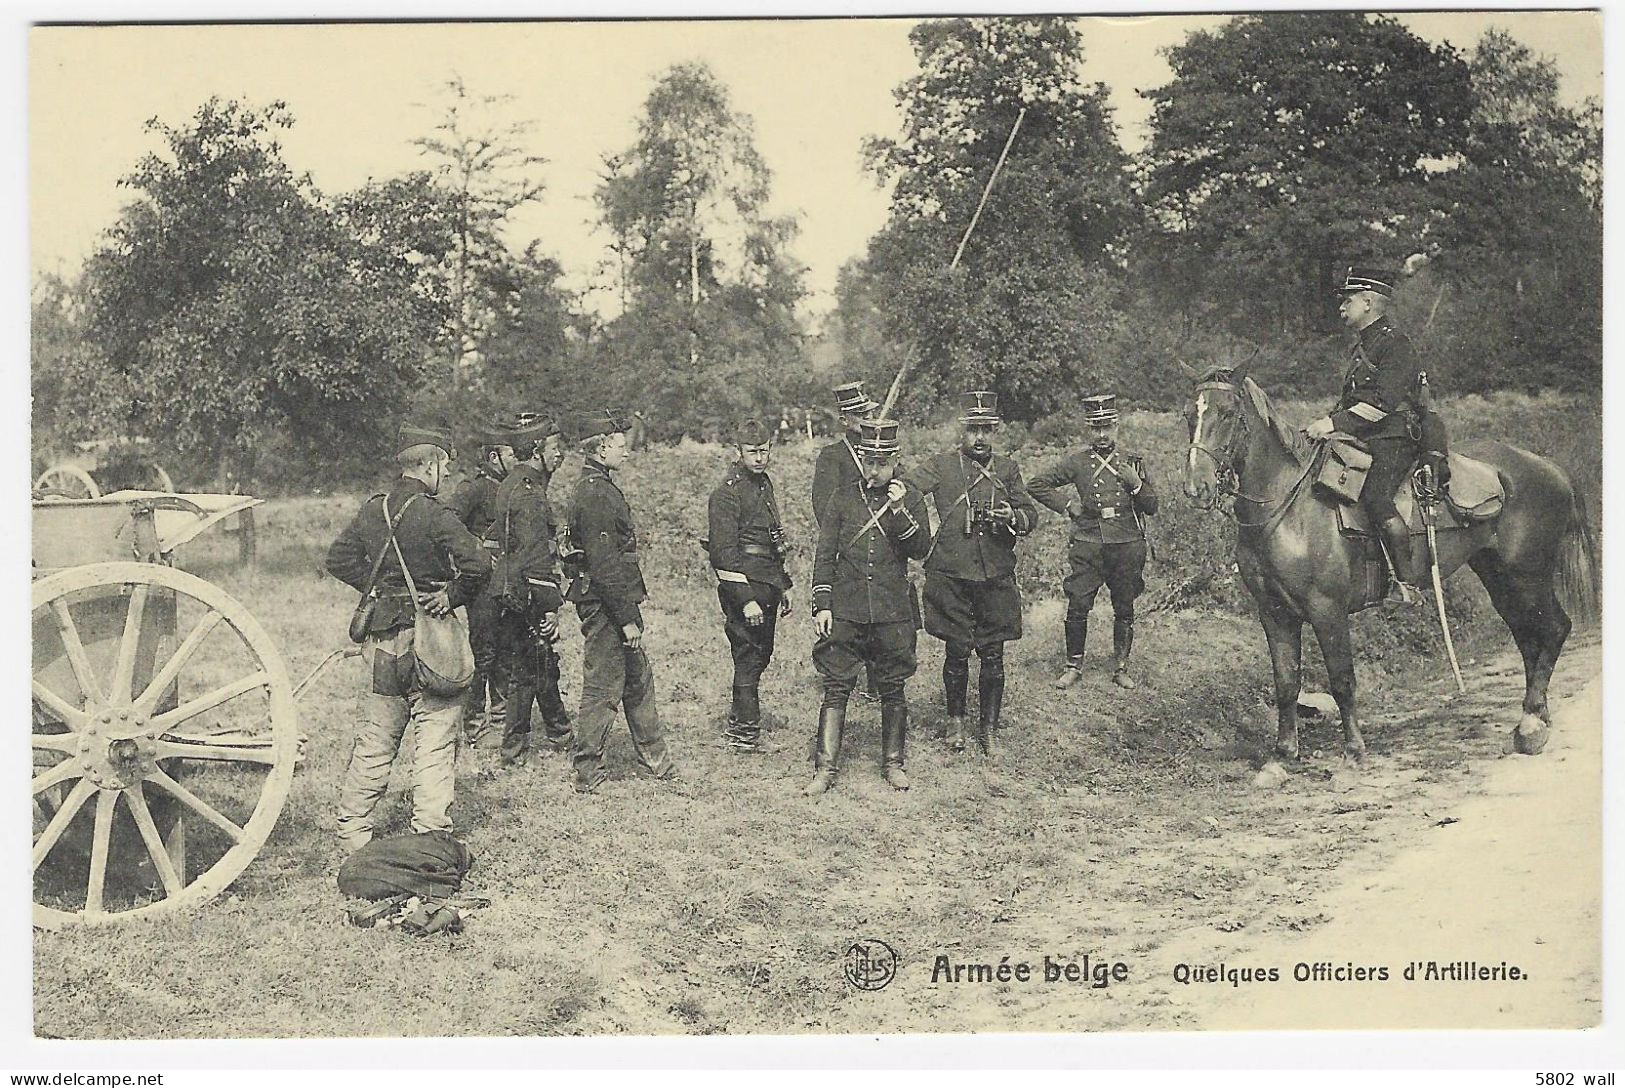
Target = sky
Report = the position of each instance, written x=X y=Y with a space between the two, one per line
x=360 y=93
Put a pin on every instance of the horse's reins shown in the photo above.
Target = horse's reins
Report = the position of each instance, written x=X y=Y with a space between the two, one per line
x=1229 y=481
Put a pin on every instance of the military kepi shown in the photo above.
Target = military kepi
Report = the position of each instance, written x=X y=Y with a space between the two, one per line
x=1101 y=410
x=878 y=438
x=419 y=434
x=979 y=406
x=607 y=421
x=1359 y=278
x=850 y=397
x=522 y=428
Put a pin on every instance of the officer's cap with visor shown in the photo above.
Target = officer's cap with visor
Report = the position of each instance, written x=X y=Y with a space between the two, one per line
x=850 y=397
x=877 y=440
x=979 y=406
x=1100 y=410
x=519 y=429
x=1365 y=278
x=752 y=432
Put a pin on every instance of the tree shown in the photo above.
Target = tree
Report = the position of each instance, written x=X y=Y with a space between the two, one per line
x=1035 y=294
x=487 y=175
x=230 y=303
x=1287 y=146
x=709 y=287
x=58 y=354
x=1520 y=253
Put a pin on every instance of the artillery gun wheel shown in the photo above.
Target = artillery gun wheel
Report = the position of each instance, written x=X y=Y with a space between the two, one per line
x=67 y=481
x=144 y=741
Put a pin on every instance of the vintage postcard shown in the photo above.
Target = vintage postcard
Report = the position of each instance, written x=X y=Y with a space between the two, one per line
x=969 y=524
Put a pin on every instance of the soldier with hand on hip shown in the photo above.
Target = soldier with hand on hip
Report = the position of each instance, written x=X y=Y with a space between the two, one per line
x=474 y=503
x=971 y=600
x=864 y=611
x=1111 y=498
x=747 y=545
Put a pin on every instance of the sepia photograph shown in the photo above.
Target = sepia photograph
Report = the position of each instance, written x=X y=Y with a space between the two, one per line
x=1066 y=523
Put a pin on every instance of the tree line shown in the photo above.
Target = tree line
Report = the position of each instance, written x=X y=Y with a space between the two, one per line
x=254 y=322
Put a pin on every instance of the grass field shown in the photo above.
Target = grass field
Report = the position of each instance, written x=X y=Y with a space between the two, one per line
x=1109 y=823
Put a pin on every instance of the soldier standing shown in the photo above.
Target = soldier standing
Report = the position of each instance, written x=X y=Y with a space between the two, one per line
x=1376 y=406
x=1113 y=498
x=527 y=585
x=449 y=566
x=746 y=543
x=474 y=503
x=971 y=600
x=837 y=468
x=863 y=604
x=615 y=668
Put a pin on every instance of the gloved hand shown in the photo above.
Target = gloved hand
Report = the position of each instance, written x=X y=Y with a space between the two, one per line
x=894 y=494
x=1129 y=478
x=753 y=614
x=785 y=607
x=1320 y=428
x=823 y=623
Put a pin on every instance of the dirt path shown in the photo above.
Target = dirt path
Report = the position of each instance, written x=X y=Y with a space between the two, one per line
x=1514 y=879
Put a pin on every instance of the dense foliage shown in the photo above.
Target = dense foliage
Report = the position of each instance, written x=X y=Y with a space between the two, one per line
x=261 y=327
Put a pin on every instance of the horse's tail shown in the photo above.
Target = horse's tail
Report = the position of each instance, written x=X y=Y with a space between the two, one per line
x=1576 y=574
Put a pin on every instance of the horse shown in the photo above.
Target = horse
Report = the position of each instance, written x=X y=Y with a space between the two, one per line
x=1300 y=568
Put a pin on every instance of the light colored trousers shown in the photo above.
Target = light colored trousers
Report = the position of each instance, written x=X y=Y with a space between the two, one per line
x=377 y=742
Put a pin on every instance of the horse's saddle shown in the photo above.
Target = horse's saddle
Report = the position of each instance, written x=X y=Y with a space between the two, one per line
x=1474 y=494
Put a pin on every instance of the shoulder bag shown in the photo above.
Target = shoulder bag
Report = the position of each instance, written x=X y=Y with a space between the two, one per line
x=361 y=618
x=444 y=659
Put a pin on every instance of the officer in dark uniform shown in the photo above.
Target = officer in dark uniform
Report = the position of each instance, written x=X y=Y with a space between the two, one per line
x=448 y=567
x=615 y=668
x=474 y=503
x=837 y=467
x=1113 y=497
x=1376 y=407
x=527 y=584
x=863 y=604
x=747 y=546
x=971 y=600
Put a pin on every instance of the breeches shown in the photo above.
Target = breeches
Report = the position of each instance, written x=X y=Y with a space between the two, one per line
x=886 y=648
x=751 y=647
x=972 y=614
x=1391 y=460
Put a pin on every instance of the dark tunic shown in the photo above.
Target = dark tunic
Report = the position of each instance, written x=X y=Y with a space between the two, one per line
x=741 y=517
x=1377 y=388
x=954 y=483
x=438 y=550
x=523 y=529
x=475 y=500
x=1108 y=514
x=601 y=526
x=860 y=571
x=836 y=469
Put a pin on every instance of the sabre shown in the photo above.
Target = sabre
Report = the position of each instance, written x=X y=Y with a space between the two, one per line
x=897 y=382
x=1429 y=511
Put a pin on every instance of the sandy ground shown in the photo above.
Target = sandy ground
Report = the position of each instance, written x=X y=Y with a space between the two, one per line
x=1462 y=892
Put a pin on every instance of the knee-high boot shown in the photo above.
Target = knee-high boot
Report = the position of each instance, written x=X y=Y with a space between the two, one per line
x=955 y=685
x=826 y=749
x=893 y=734
x=990 y=691
x=1396 y=536
x=1122 y=646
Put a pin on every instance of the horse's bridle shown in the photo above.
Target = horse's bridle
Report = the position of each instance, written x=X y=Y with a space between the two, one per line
x=1224 y=467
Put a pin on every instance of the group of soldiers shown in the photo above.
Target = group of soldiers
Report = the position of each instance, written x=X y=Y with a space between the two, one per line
x=498 y=549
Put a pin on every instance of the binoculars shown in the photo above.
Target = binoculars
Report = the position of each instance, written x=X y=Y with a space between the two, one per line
x=781 y=540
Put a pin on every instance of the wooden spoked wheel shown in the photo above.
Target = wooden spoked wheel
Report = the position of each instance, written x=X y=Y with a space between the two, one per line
x=68 y=481
x=164 y=742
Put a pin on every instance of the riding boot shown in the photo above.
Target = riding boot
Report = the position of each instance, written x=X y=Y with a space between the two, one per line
x=1396 y=538
x=990 y=689
x=955 y=684
x=1122 y=645
x=893 y=730
x=826 y=749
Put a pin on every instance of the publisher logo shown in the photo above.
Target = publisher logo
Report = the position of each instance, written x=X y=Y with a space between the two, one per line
x=871 y=964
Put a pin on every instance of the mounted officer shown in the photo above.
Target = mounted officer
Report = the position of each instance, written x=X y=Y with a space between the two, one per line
x=1113 y=497
x=615 y=668
x=1377 y=407
x=449 y=567
x=837 y=467
x=474 y=503
x=971 y=600
x=863 y=604
x=747 y=546
x=527 y=584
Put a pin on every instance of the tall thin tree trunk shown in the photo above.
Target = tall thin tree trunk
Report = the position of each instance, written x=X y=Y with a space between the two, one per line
x=693 y=283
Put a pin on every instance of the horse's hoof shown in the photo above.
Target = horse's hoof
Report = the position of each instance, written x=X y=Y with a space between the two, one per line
x=1287 y=753
x=1354 y=757
x=1530 y=738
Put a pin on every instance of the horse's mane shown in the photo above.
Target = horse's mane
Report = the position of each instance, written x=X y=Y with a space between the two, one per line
x=1291 y=439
